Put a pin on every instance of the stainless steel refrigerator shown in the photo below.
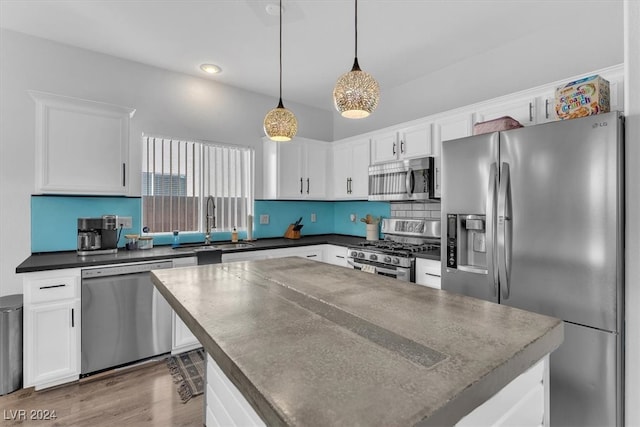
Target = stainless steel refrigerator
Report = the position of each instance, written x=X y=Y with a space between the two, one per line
x=533 y=218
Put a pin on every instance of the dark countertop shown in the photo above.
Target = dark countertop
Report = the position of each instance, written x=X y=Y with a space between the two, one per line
x=70 y=259
x=309 y=343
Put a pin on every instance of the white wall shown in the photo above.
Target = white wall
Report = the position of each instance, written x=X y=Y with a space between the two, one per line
x=632 y=154
x=517 y=65
x=166 y=103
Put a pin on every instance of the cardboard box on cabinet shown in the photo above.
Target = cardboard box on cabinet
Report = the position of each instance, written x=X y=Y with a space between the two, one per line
x=583 y=97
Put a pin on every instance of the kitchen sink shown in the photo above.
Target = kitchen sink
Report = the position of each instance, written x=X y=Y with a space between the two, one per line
x=201 y=247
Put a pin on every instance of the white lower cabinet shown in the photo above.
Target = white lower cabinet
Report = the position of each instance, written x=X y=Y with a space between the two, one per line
x=428 y=272
x=523 y=402
x=336 y=255
x=51 y=335
x=182 y=339
x=314 y=252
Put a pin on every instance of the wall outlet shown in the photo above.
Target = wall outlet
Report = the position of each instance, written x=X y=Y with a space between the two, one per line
x=125 y=221
x=353 y=217
x=264 y=219
x=314 y=218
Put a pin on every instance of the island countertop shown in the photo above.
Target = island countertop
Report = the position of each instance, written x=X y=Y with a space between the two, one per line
x=308 y=343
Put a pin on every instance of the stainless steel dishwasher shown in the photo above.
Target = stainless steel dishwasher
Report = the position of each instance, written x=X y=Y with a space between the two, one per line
x=124 y=317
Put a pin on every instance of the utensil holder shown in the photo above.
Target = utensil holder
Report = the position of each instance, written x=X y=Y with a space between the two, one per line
x=291 y=233
x=372 y=232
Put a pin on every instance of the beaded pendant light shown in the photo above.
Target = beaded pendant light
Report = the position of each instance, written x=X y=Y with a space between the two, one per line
x=280 y=124
x=356 y=93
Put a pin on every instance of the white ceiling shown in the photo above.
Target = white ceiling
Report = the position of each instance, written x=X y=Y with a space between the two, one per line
x=398 y=40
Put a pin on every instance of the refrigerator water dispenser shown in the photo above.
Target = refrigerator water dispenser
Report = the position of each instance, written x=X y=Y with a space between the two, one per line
x=466 y=243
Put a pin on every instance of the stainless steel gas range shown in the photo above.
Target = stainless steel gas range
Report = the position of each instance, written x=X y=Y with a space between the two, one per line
x=395 y=256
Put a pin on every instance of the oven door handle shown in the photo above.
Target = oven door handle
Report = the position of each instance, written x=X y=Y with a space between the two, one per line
x=380 y=269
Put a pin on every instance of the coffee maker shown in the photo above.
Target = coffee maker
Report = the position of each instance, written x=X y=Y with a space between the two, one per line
x=98 y=235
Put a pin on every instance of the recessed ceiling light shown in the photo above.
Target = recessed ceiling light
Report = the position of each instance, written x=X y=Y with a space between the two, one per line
x=210 y=68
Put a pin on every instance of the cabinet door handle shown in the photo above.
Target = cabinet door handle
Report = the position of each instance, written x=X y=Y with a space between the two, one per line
x=347 y=185
x=307 y=185
x=62 y=285
x=394 y=148
x=300 y=185
x=402 y=147
x=546 y=108
x=73 y=322
x=531 y=111
x=124 y=174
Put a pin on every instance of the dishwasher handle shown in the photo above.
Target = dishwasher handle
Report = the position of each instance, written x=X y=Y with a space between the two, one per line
x=119 y=270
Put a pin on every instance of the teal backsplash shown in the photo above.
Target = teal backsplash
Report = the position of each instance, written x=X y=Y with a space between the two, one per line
x=54 y=219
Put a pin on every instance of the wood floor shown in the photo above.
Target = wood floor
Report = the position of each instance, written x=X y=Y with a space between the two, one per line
x=141 y=396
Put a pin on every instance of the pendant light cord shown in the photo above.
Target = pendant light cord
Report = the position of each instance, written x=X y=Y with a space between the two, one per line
x=356 y=27
x=280 y=101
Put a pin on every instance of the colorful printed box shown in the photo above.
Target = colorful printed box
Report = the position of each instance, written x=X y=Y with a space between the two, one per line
x=582 y=98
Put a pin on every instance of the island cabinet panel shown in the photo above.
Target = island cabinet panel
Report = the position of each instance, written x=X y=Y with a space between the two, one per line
x=225 y=405
x=182 y=339
x=523 y=402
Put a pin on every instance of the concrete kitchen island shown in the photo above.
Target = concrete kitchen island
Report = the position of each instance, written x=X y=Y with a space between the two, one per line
x=306 y=343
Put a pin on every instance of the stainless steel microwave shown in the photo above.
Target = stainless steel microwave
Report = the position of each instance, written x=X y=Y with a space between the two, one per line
x=412 y=179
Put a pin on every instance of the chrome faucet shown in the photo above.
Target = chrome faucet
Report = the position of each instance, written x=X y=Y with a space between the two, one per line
x=210 y=219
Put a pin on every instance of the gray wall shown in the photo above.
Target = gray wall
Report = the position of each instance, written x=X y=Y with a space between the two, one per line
x=167 y=103
x=520 y=64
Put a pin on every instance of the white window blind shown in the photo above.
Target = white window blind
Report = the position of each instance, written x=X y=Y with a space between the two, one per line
x=178 y=176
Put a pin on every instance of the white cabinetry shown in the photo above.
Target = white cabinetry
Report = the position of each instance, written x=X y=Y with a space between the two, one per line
x=51 y=343
x=522 y=402
x=296 y=169
x=182 y=339
x=403 y=143
x=351 y=169
x=524 y=110
x=336 y=255
x=314 y=252
x=444 y=129
x=79 y=138
x=428 y=273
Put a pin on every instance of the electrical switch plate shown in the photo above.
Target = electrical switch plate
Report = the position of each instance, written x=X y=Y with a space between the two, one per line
x=264 y=219
x=313 y=217
x=353 y=217
x=125 y=221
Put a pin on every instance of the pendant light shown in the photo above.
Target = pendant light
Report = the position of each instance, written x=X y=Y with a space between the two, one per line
x=356 y=93
x=280 y=124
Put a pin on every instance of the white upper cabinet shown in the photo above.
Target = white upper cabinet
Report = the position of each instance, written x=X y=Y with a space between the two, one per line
x=415 y=141
x=384 y=147
x=521 y=109
x=403 y=143
x=296 y=169
x=82 y=147
x=351 y=169
x=444 y=129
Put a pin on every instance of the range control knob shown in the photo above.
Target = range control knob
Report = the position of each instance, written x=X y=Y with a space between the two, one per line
x=396 y=261
x=387 y=259
x=373 y=257
x=354 y=254
x=360 y=255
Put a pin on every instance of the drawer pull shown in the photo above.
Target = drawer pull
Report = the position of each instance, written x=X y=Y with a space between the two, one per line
x=433 y=275
x=312 y=256
x=62 y=285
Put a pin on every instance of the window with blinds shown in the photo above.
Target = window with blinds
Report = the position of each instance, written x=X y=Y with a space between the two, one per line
x=179 y=176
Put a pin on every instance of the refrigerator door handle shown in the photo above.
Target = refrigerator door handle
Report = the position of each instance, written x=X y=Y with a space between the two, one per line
x=504 y=231
x=491 y=230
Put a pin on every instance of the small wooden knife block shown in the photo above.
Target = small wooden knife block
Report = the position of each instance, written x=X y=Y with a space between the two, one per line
x=291 y=233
